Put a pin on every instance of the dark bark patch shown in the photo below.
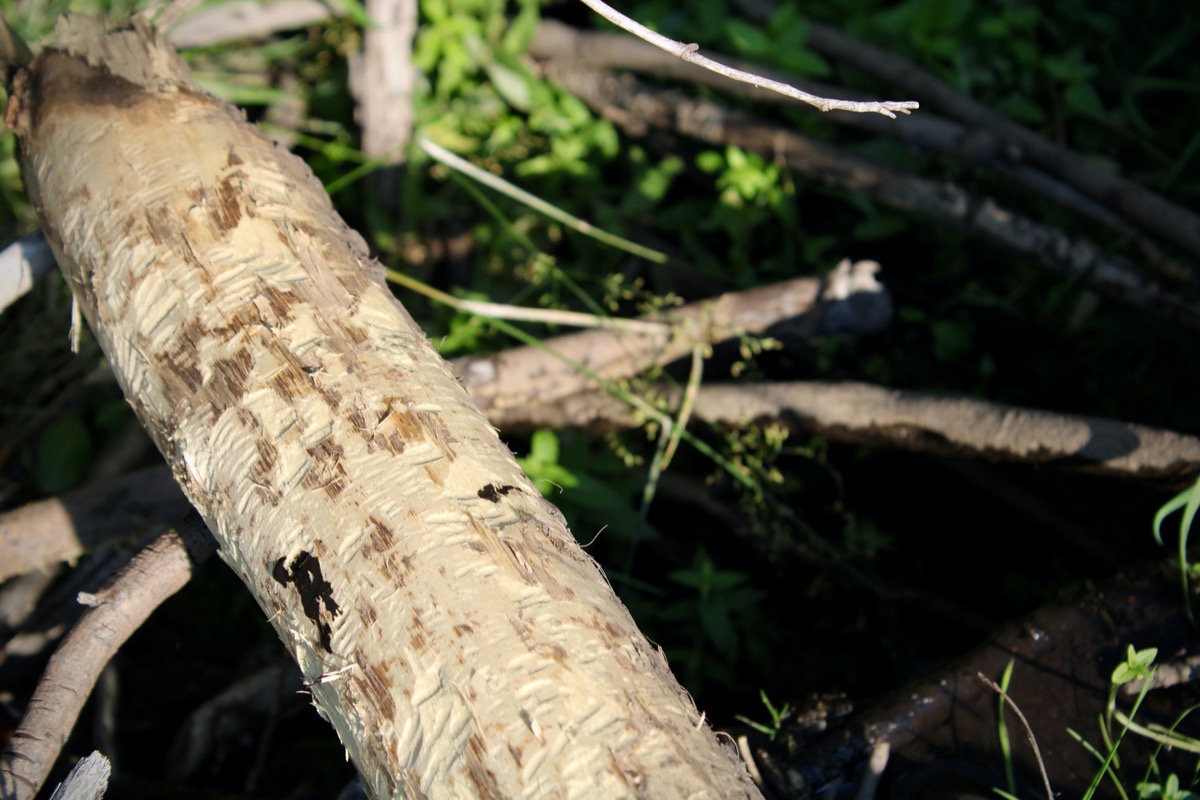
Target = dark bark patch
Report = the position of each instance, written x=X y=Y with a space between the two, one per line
x=492 y=493
x=268 y=454
x=278 y=311
x=437 y=476
x=329 y=471
x=374 y=684
x=382 y=537
x=181 y=363
x=368 y=614
x=230 y=375
x=417 y=632
x=316 y=593
x=290 y=383
x=483 y=778
x=56 y=81
x=227 y=212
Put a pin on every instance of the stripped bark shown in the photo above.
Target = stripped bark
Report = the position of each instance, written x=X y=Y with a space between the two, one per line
x=452 y=630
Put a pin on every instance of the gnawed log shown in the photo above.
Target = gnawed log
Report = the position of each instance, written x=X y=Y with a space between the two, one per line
x=450 y=627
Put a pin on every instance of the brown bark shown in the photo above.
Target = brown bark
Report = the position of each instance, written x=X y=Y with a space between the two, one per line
x=452 y=630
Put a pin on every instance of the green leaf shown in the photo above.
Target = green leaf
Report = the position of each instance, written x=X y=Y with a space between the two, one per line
x=1138 y=665
x=543 y=446
x=520 y=32
x=747 y=39
x=718 y=625
x=63 y=455
x=710 y=161
x=355 y=12
x=512 y=84
x=1022 y=109
x=1082 y=98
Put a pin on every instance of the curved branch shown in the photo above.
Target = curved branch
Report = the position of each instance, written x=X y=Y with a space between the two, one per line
x=117 y=610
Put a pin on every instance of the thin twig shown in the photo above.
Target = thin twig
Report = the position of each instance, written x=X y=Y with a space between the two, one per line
x=1158 y=733
x=690 y=53
x=671 y=434
x=1037 y=753
x=574 y=319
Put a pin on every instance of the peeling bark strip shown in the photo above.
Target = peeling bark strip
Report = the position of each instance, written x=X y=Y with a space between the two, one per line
x=472 y=649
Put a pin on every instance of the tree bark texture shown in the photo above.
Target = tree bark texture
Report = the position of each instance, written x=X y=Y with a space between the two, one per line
x=452 y=630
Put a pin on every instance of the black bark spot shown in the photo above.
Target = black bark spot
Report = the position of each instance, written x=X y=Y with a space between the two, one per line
x=316 y=593
x=492 y=492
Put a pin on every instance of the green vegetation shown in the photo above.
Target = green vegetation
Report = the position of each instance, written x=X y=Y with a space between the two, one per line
x=765 y=562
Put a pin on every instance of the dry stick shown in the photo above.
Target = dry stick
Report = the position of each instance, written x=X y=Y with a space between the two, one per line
x=636 y=105
x=545 y=316
x=689 y=53
x=117 y=610
x=382 y=79
x=87 y=780
x=1037 y=753
x=241 y=20
x=876 y=764
x=927 y=132
x=870 y=414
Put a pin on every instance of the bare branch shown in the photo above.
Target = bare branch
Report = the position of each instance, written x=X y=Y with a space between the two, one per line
x=691 y=54
x=1037 y=753
x=117 y=610
x=46 y=532
x=506 y=383
x=979 y=147
x=866 y=414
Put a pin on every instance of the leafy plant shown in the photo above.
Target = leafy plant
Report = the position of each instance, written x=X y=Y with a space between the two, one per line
x=778 y=715
x=1189 y=501
x=718 y=612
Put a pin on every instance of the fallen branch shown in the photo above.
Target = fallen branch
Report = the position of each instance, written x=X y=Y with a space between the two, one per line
x=1135 y=202
x=570 y=47
x=848 y=301
x=637 y=107
x=42 y=534
x=116 y=611
x=865 y=414
x=452 y=631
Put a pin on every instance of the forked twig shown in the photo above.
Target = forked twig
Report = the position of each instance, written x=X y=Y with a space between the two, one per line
x=690 y=53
